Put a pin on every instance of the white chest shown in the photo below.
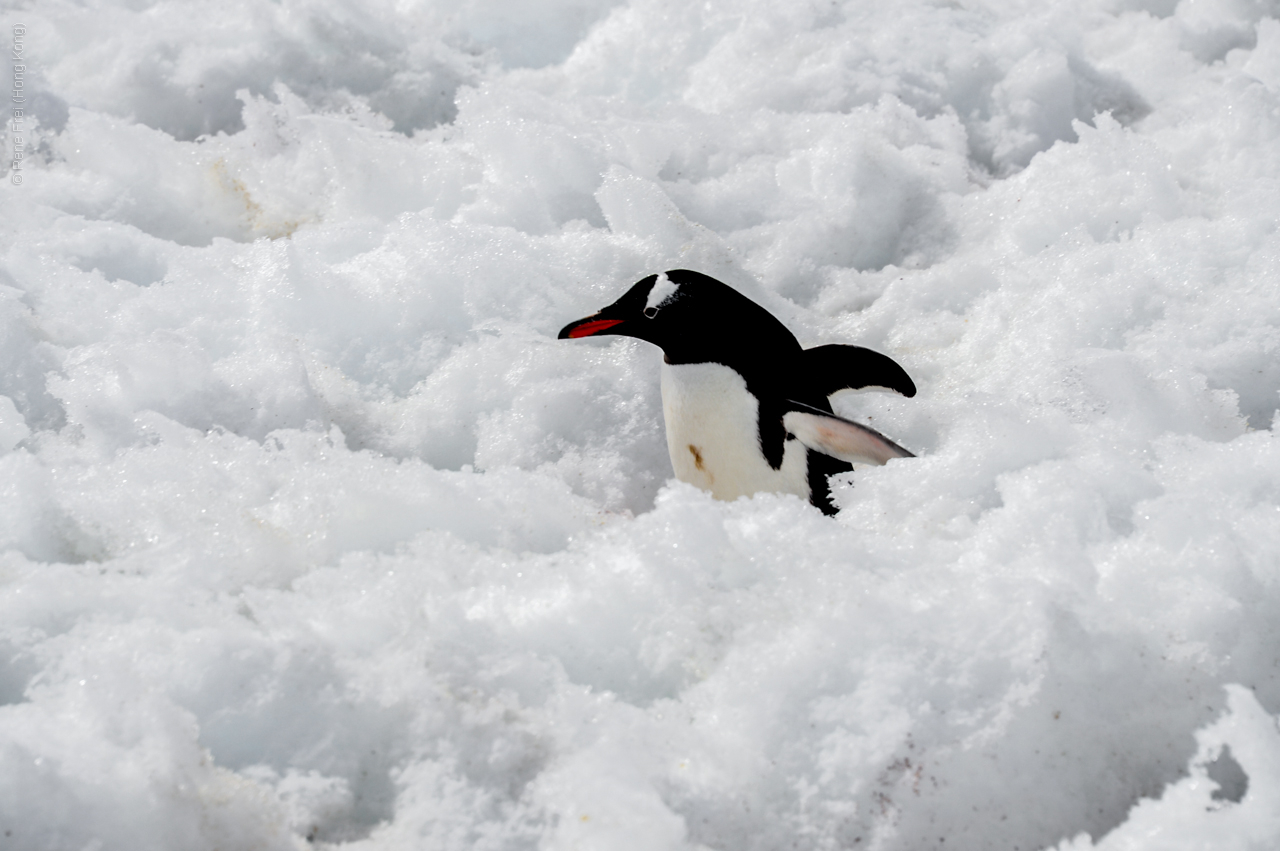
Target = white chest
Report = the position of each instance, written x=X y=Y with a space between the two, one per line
x=713 y=437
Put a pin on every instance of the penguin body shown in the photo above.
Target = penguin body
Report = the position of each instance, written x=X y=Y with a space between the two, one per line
x=713 y=435
x=745 y=407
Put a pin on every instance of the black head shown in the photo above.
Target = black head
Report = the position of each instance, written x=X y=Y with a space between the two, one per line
x=693 y=319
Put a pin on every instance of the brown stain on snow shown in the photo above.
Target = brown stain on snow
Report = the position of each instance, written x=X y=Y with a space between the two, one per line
x=257 y=220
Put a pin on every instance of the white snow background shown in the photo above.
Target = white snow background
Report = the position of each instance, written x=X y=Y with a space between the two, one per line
x=315 y=536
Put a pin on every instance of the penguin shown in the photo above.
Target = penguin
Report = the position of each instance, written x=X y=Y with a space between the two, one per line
x=745 y=406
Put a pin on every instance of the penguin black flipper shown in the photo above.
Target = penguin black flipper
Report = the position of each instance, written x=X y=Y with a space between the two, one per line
x=837 y=367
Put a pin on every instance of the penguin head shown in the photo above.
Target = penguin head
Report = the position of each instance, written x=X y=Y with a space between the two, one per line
x=693 y=318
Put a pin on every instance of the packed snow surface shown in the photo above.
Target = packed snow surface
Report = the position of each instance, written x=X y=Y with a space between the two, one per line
x=315 y=536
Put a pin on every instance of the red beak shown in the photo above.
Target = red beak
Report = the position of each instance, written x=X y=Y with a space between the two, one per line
x=588 y=329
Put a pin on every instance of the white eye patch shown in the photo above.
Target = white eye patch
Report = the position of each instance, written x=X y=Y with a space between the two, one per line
x=659 y=294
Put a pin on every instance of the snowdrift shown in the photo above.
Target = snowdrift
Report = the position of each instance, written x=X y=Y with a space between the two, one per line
x=312 y=535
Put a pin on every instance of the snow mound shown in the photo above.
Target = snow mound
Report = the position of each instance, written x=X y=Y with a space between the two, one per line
x=313 y=535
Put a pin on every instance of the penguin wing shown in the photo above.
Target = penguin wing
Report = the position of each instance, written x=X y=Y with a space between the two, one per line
x=838 y=367
x=840 y=438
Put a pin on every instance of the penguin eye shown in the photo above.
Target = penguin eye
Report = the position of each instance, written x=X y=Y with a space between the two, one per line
x=651 y=312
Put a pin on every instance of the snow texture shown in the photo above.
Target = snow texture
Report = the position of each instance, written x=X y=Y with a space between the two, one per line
x=313 y=535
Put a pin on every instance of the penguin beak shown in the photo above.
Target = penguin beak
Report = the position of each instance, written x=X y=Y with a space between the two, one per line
x=588 y=327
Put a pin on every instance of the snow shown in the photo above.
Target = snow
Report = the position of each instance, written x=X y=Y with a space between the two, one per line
x=313 y=535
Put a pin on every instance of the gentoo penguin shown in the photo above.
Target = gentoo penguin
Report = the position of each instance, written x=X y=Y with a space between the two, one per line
x=745 y=406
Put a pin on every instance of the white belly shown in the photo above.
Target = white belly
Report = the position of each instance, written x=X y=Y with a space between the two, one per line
x=713 y=438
